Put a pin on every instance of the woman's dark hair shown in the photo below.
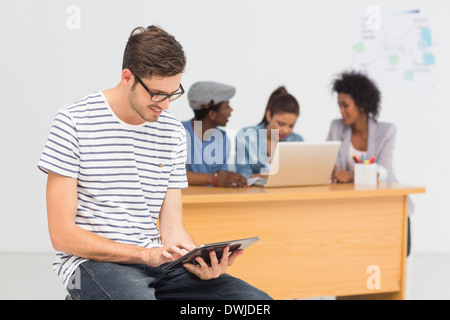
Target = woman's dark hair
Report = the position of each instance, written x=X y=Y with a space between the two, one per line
x=362 y=90
x=280 y=101
x=151 y=52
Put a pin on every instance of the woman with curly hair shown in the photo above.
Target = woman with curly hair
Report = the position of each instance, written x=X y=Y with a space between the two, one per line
x=358 y=130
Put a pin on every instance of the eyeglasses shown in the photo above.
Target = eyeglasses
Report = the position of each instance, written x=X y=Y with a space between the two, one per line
x=159 y=97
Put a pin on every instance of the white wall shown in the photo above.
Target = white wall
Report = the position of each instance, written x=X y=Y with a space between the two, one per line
x=253 y=45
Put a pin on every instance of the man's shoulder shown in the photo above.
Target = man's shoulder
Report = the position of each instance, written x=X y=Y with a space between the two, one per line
x=169 y=122
x=84 y=103
x=187 y=124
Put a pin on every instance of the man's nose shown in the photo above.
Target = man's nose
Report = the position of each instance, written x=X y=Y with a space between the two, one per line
x=164 y=104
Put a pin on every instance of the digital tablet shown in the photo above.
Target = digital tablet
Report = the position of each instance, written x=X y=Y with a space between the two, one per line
x=204 y=250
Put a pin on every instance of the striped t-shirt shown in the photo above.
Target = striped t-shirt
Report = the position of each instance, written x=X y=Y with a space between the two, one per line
x=123 y=171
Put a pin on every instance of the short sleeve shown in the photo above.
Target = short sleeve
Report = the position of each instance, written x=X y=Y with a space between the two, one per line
x=61 y=152
x=178 y=179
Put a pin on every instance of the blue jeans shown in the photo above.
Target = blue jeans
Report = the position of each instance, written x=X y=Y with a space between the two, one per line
x=112 y=281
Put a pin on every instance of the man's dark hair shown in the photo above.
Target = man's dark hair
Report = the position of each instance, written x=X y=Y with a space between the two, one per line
x=151 y=52
x=201 y=113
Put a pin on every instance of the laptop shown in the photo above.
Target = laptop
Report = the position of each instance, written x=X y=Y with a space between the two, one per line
x=300 y=164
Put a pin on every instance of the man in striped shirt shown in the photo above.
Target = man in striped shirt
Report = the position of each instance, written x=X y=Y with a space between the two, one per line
x=116 y=164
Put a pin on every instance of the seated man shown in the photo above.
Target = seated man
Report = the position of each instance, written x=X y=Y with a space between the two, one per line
x=116 y=165
x=207 y=145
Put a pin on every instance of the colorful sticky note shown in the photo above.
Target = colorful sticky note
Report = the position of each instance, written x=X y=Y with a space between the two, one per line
x=428 y=58
x=359 y=47
x=426 y=36
x=393 y=59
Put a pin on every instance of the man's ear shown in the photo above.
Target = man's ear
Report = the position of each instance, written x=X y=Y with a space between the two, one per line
x=127 y=78
x=212 y=114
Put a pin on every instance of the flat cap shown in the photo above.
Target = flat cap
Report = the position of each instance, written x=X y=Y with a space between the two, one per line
x=204 y=92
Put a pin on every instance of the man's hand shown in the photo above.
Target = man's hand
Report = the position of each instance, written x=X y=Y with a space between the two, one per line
x=216 y=269
x=167 y=253
x=231 y=179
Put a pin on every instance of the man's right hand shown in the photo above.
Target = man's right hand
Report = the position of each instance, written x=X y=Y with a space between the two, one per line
x=231 y=179
x=167 y=253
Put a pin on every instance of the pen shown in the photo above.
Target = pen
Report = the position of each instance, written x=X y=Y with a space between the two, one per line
x=372 y=160
x=356 y=159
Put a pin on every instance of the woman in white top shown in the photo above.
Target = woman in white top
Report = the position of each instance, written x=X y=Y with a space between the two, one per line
x=358 y=130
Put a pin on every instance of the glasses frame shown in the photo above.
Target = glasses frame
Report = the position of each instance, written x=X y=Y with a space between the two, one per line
x=151 y=93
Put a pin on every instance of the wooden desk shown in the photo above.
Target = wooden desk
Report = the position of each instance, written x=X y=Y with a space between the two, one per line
x=315 y=241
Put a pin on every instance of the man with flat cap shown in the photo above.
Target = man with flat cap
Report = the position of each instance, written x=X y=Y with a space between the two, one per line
x=207 y=145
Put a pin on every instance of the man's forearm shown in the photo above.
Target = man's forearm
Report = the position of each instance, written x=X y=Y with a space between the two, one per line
x=177 y=237
x=69 y=238
x=199 y=178
x=85 y=244
x=171 y=220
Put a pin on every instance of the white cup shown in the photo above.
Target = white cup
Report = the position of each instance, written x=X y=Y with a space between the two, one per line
x=366 y=173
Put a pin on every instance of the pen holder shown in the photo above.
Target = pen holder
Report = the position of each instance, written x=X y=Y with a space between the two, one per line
x=365 y=173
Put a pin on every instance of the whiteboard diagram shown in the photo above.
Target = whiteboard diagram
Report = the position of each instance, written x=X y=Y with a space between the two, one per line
x=395 y=48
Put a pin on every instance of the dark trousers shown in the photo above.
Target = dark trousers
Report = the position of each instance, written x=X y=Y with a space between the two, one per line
x=112 y=281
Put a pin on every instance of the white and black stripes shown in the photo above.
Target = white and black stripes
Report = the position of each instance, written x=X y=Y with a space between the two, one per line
x=123 y=171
